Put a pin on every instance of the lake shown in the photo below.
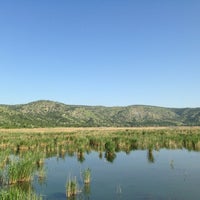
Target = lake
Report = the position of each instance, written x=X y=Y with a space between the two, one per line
x=141 y=174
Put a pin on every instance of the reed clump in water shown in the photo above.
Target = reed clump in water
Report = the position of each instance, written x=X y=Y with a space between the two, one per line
x=22 y=168
x=19 y=168
x=87 y=176
x=71 y=187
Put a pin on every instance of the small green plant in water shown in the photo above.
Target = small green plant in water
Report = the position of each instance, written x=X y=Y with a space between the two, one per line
x=87 y=176
x=71 y=187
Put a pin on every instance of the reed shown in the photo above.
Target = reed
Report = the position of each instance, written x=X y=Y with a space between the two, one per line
x=15 y=193
x=87 y=176
x=20 y=171
x=41 y=174
x=1 y=177
x=71 y=187
x=51 y=142
x=4 y=158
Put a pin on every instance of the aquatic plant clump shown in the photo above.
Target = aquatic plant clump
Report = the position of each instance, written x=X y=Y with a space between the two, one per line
x=20 y=170
x=87 y=176
x=71 y=187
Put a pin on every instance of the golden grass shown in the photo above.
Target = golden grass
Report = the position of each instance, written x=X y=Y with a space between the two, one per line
x=80 y=129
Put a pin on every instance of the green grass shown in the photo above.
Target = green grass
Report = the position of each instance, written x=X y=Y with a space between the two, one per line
x=59 y=142
x=19 y=168
x=15 y=193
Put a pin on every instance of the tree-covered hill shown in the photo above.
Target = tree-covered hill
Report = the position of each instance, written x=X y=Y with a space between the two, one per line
x=54 y=114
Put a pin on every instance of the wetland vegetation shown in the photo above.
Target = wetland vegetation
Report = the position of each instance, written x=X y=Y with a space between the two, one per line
x=23 y=153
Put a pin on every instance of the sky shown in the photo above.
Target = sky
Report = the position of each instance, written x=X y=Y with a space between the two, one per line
x=100 y=52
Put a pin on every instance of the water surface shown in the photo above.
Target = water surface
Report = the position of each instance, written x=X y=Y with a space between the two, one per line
x=140 y=174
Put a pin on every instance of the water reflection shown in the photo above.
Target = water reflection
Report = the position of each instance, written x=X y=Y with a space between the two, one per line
x=80 y=156
x=129 y=174
x=100 y=155
x=150 y=156
x=87 y=190
x=110 y=156
x=172 y=164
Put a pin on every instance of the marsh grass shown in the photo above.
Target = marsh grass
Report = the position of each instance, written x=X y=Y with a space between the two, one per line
x=22 y=151
x=15 y=193
x=41 y=173
x=72 y=187
x=50 y=142
x=4 y=158
x=60 y=141
x=87 y=176
x=21 y=169
x=1 y=177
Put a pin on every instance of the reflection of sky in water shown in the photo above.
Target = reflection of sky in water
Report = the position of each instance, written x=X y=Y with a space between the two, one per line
x=173 y=174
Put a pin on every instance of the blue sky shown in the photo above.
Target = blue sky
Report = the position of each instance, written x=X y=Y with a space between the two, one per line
x=100 y=52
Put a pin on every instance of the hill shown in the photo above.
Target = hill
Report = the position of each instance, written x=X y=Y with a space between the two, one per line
x=55 y=114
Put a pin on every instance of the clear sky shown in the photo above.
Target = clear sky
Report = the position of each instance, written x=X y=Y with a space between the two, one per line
x=100 y=52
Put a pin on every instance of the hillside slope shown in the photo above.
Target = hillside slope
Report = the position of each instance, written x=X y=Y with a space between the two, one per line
x=54 y=114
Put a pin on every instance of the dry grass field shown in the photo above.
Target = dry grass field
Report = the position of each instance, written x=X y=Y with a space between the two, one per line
x=97 y=129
